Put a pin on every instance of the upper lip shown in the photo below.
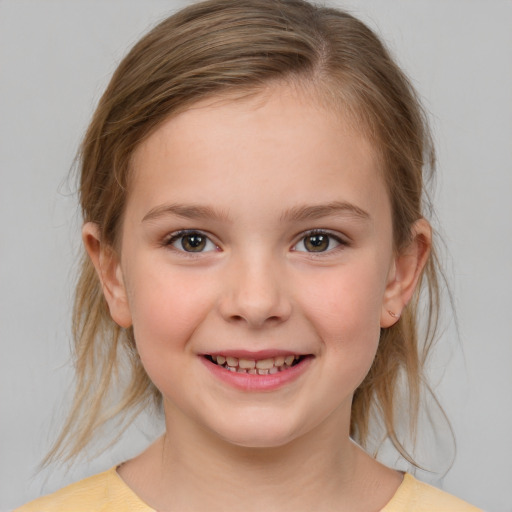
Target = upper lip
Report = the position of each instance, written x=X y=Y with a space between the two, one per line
x=253 y=355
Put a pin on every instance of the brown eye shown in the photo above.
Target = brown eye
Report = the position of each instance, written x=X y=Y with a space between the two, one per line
x=316 y=243
x=191 y=241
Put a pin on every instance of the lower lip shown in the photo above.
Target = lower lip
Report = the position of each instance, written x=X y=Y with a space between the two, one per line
x=250 y=382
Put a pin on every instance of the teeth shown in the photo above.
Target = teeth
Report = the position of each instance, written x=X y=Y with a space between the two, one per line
x=246 y=363
x=232 y=361
x=267 y=366
x=279 y=361
x=289 y=360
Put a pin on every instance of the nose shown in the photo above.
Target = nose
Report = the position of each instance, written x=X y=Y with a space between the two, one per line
x=255 y=293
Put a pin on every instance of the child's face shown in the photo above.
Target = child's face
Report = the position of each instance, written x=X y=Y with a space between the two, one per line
x=257 y=229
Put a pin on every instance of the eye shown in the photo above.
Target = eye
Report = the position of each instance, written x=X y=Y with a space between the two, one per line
x=318 y=241
x=191 y=241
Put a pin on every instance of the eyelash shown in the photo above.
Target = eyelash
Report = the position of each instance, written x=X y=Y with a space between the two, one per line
x=321 y=232
x=175 y=237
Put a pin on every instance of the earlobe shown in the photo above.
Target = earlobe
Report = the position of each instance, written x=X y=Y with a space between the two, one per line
x=108 y=267
x=406 y=272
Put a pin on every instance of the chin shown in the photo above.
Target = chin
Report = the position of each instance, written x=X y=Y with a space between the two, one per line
x=261 y=441
x=260 y=434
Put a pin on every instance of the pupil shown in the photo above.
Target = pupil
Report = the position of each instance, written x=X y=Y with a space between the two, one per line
x=317 y=243
x=193 y=243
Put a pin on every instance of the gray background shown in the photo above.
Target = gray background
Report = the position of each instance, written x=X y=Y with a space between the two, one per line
x=55 y=59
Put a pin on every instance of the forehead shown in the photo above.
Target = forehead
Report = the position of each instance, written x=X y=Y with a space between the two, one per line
x=280 y=139
x=294 y=100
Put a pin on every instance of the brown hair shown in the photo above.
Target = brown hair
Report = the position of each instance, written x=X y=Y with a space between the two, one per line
x=240 y=46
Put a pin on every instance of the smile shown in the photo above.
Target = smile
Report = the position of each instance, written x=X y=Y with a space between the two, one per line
x=262 y=371
x=267 y=366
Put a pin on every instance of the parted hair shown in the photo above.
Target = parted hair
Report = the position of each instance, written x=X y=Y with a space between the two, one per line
x=239 y=47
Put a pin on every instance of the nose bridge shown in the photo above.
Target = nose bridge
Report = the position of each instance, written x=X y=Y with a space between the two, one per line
x=255 y=289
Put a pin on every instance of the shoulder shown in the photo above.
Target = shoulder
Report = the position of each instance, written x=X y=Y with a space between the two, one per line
x=416 y=496
x=103 y=492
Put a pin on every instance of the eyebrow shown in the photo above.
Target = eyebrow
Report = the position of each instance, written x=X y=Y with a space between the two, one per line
x=335 y=208
x=295 y=214
x=187 y=211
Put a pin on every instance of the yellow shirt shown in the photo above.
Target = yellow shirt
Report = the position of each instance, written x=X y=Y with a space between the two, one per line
x=107 y=492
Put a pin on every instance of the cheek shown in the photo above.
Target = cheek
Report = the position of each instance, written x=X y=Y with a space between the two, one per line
x=166 y=309
x=346 y=296
x=344 y=307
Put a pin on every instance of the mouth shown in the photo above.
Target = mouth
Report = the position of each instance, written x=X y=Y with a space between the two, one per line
x=263 y=366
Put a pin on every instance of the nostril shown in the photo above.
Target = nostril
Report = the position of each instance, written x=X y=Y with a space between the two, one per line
x=255 y=309
x=274 y=319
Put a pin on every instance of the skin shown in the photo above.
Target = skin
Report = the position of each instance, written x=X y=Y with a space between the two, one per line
x=258 y=174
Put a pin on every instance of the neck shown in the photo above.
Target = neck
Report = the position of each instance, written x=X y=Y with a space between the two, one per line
x=321 y=467
x=258 y=477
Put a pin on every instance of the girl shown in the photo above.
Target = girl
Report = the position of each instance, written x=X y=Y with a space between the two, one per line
x=252 y=192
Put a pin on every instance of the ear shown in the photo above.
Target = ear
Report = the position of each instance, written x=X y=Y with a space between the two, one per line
x=405 y=273
x=108 y=267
